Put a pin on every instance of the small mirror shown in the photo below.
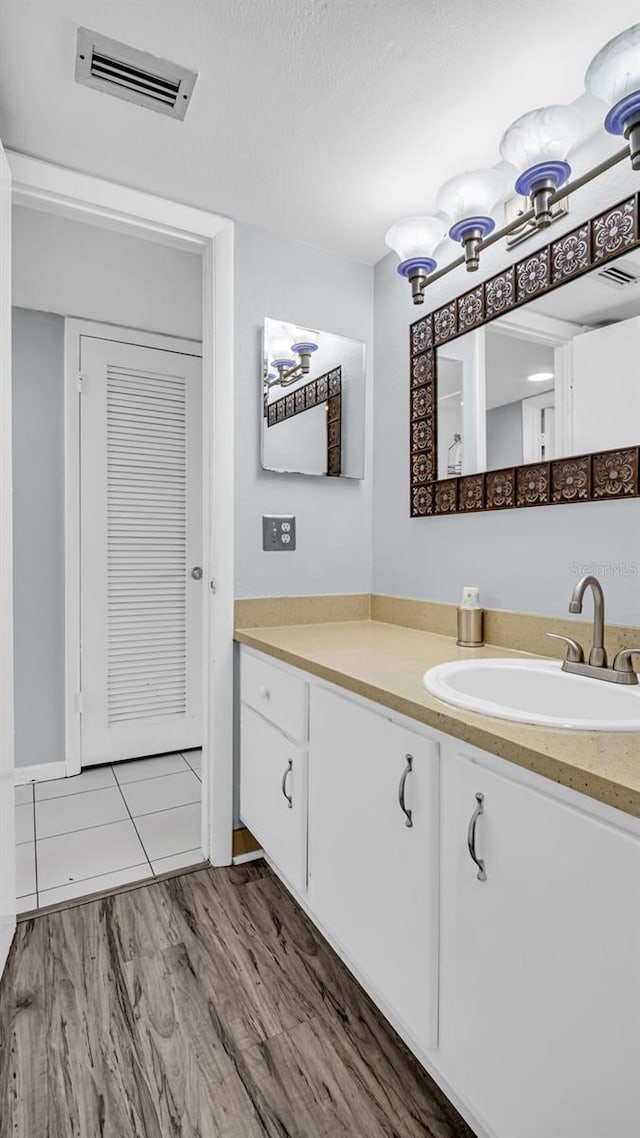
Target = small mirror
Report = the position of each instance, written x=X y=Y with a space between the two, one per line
x=313 y=402
x=554 y=378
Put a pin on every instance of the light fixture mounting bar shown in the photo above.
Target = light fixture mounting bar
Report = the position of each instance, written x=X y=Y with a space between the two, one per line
x=529 y=214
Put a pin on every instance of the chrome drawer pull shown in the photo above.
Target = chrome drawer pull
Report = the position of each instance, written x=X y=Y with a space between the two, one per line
x=289 y=797
x=407 y=771
x=471 y=837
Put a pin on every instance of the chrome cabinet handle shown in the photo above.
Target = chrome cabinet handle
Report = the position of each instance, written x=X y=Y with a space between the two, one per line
x=471 y=837
x=401 y=789
x=289 y=797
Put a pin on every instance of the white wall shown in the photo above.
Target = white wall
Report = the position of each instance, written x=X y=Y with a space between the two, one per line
x=75 y=269
x=313 y=289
x=526 y=559
x=606 y=415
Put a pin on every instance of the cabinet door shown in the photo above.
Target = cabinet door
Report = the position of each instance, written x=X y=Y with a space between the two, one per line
x=372 y=878
x=540 y=981
x=273 y=794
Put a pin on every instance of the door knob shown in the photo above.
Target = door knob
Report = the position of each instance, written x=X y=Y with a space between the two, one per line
x=196 y=573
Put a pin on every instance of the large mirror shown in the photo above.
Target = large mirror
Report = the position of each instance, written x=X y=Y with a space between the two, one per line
x=558 y=377
x=312 y=402
x=526 y=390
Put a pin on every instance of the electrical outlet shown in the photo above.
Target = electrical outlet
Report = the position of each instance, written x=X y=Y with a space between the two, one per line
x=279 y=533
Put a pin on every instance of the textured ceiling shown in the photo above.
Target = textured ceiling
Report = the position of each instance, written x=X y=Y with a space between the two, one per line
x=319 y=120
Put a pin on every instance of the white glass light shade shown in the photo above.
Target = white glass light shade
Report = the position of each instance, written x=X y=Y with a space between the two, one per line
x=475 y=194
x=279 y=346
x=303 y=336
x=280 y=349
x=614 y=73
x=544 y=135
x=415 y=238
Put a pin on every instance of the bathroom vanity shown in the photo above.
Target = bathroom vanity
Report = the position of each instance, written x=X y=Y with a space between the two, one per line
x=481 y=879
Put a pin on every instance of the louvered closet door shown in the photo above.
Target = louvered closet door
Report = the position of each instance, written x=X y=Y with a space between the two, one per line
x=141 y=536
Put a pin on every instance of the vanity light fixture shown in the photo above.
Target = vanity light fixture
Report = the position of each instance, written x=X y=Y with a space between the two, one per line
x=614 y=76
x=414 y=240
x=537 y=145
x=540 y=376
x=288 y=368
x=469 y=200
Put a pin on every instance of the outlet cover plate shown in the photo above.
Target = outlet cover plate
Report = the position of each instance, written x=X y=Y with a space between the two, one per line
x=278 y=533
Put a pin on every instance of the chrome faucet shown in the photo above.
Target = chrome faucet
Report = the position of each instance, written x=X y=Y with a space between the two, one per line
x=597 y=655
x=622 y=671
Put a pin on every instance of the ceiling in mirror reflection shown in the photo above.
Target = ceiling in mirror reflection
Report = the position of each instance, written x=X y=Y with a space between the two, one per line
x=510 y=361
x=602 y=296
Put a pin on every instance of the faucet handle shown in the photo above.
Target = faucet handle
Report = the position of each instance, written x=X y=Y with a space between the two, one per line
x=575 y=654
x=622 y=660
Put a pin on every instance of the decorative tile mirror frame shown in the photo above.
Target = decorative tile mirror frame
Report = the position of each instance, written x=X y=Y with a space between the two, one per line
x=602 y=476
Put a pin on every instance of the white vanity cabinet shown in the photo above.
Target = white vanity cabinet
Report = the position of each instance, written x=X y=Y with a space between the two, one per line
x=373 y=878
x=520 y=993
x=540 y=963
x=273 y=765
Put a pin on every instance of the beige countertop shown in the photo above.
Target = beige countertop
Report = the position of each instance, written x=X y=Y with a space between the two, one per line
x=385 y=663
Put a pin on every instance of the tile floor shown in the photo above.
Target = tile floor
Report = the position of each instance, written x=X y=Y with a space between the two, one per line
x=107 y=826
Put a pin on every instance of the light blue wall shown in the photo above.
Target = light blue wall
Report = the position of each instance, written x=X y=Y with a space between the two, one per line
x=38 y=527
x=525 y=560
x=302 y=285
x=504 y=436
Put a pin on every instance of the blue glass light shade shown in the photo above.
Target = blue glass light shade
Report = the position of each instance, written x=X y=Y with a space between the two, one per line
x=556 y=172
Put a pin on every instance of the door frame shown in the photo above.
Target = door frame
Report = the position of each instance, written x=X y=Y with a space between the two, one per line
x=69 y=193
x=74 y=328
x=530 y=420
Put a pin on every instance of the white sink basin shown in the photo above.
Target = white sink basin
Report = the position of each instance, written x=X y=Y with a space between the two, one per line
x=536 y=691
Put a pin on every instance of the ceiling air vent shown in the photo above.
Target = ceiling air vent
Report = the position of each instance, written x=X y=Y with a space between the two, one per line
x=620 y=274
x=134 y=75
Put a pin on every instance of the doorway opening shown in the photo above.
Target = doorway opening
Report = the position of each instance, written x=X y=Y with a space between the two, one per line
x=148 y=597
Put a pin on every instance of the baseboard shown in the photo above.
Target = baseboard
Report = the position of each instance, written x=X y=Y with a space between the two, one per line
x=40 y=772
x=242 y=858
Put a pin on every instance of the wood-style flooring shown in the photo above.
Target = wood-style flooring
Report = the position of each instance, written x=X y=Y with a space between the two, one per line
x=204 y=1006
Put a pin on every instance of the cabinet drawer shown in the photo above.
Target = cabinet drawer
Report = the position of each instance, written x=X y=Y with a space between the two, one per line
x=273 y=795
x=281 y=697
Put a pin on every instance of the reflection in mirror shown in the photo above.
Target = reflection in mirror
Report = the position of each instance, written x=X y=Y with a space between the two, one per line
x=520 y=406
x=554 y=378
x=450 y=405
x=313 y=402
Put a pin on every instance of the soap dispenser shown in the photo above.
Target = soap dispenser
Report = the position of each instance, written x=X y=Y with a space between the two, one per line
x=470 y=619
